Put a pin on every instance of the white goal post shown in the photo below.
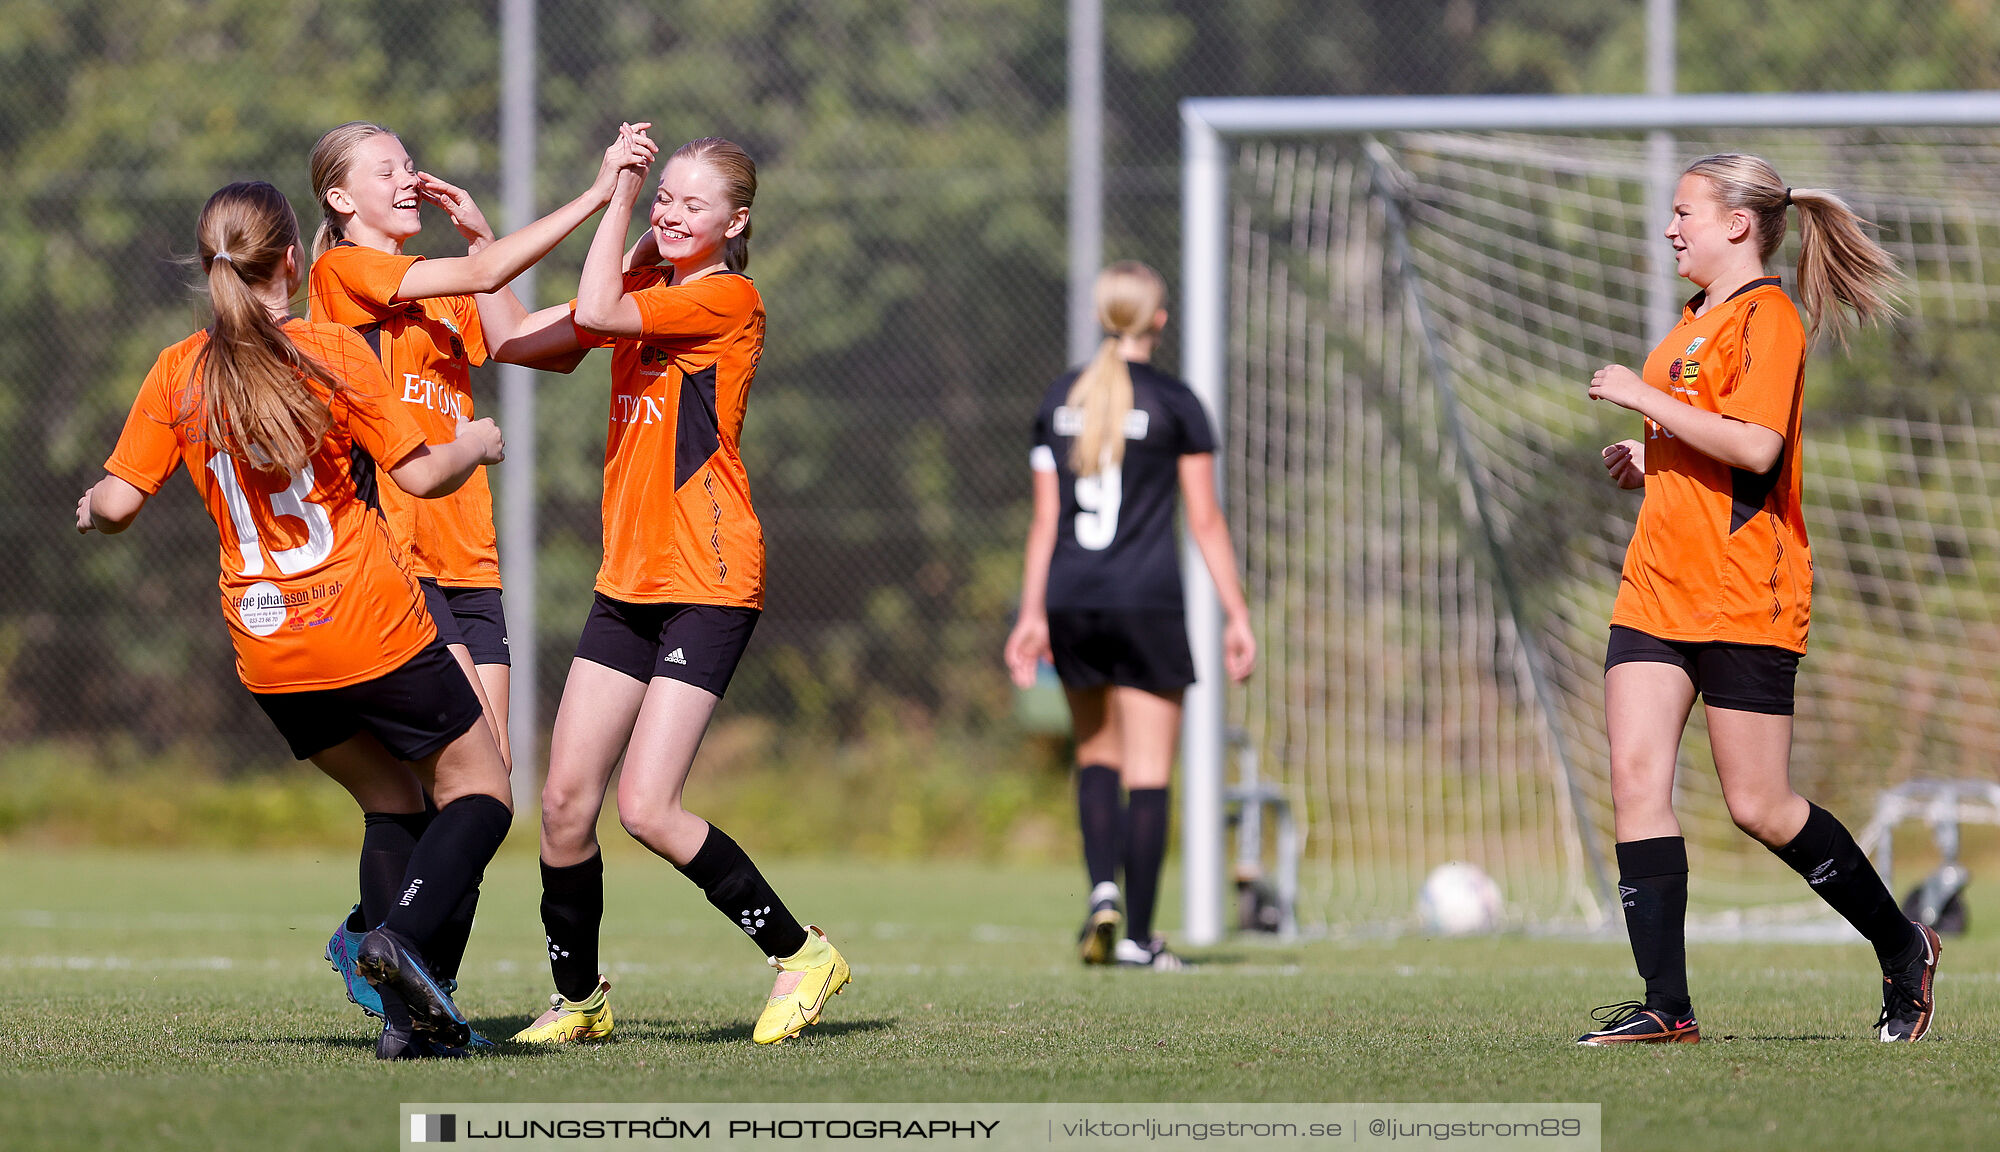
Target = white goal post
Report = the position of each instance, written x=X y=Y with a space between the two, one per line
x=1209 y=129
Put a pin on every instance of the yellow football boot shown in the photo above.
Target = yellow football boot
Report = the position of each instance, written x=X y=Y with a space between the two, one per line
x=570 y=1021
x=806 y=979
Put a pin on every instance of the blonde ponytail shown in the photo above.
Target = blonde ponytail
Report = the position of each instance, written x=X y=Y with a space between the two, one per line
x=1129 y=295
x=1100 y=397
x=258 y=404
x=1839 y=263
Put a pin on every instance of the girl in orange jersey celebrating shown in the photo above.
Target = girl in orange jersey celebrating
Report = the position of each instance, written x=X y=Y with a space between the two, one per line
x=431 y=321
x=679 y=590
x=1716 y=593
x=267 y=413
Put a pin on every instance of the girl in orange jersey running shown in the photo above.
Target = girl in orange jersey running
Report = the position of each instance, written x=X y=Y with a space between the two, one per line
x=679 y=590
x=1716 y=593
x=267 y=413
x=431 y=321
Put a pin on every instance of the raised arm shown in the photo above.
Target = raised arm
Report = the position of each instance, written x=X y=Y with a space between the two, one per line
x=645 y=251
x=544 y=340
x=602 y=304
x=496 y=263
x=1210 y=533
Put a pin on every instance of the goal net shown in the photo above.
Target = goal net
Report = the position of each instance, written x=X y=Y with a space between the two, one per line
x=1432 y=547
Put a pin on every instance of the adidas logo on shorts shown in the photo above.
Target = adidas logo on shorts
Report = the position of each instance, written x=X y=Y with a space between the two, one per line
x=675 y=657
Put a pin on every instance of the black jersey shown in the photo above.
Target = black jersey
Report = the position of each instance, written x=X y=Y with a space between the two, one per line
x=1115 y=547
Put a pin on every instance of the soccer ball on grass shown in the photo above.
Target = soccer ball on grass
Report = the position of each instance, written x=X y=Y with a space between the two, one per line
x=1459 y=900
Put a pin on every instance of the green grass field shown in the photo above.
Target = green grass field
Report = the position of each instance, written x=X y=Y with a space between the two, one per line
x=176 y=1000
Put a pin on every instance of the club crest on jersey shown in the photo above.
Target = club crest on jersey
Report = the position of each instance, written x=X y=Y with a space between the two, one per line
x=1689 y=371
x=1674 y=371
x=1069 y=422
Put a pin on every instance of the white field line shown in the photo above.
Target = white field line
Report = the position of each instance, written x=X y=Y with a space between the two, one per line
x=119 y=963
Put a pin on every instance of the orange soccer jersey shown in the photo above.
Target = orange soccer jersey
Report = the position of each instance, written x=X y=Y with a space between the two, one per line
x=311 y=589
x=677 y=400
x=1720 y=554
x=428 y=348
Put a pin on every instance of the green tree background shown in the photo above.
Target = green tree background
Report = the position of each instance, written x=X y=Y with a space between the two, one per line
x=909 y=244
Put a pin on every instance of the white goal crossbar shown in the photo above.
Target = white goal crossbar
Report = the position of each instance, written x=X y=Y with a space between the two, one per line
x=1207 y=124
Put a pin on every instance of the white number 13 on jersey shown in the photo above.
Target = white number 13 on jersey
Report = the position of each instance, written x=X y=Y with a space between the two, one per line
x=1097 y=500
x=290 y=502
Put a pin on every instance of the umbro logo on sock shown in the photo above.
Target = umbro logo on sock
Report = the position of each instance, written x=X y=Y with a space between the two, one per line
x=1821 y=874
x=1624 y=892
x=675 y=657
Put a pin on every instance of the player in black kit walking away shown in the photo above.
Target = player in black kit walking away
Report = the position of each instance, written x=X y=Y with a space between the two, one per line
x=1101 y=596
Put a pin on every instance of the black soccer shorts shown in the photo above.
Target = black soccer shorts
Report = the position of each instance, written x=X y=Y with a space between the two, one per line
x=1743 y=677
x=1144 y=650
x=414 y=711
x=473 y=617
x=698 y=644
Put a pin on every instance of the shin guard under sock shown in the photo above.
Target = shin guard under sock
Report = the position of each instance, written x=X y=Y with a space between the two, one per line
x=448 y=946
x=724 y=873
x=387 y=839
x=1101 y=817
x=446 y=865
x=1145 y=851
x=572 y=911
x=1839 y=872
x=1653 y=887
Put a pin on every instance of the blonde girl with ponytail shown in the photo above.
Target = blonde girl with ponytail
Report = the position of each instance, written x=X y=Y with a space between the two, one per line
x=431 y=321
x=1715 y=597
x=678 y=594
x=269 y=413
x=1115 y=443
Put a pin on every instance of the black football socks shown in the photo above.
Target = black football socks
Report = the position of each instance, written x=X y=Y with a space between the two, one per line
x=1653 y=887
x=387 y=839
x=1826 y=855
x=1101 y=816
x=446 y=865
x=1145 y=851
x=732 y=883
x=572 y=910
x=447 y=948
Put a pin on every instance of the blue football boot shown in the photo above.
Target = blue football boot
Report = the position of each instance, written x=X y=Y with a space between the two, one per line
x=342 y=951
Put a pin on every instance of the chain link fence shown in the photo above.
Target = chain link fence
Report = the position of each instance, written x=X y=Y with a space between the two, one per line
x=909 y=244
